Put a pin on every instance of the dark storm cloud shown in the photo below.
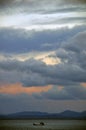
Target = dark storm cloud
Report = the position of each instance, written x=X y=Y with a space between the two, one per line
x=28 y=72
x=66 y=93
x=69 y=45
x=32 y=73
x=77 y=44
x=16 y=41
x=54 y=94
x=74 y=51
x=71 y=70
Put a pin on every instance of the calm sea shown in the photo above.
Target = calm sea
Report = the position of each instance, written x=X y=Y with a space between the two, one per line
x=49 y=125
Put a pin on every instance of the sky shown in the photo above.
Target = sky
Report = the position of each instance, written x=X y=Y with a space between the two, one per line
x=42 y=55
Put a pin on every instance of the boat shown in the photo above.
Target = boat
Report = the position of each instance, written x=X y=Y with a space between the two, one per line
x=39 y=124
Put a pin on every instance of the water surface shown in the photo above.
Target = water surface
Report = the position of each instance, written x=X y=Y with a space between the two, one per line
x=49 y=125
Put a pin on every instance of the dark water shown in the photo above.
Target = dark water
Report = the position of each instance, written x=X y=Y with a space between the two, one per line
x=49 y=125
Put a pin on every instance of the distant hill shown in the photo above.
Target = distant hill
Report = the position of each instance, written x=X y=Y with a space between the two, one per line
x=36 y=115
x=27 y=114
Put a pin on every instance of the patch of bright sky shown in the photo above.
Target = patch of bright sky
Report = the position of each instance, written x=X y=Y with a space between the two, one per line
x=43 y=21
x=42 y=56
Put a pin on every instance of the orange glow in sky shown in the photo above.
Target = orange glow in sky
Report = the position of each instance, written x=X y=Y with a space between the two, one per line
x=83 y=84
x=18 y=88
x=60 y=88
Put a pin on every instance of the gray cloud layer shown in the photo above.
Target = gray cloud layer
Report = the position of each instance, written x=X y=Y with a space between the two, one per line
x=16 y=41
x=68 y=43
x=36 y=2
x=70 y=72
x=45 y=6
x=23 y=102
x=67 y=93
